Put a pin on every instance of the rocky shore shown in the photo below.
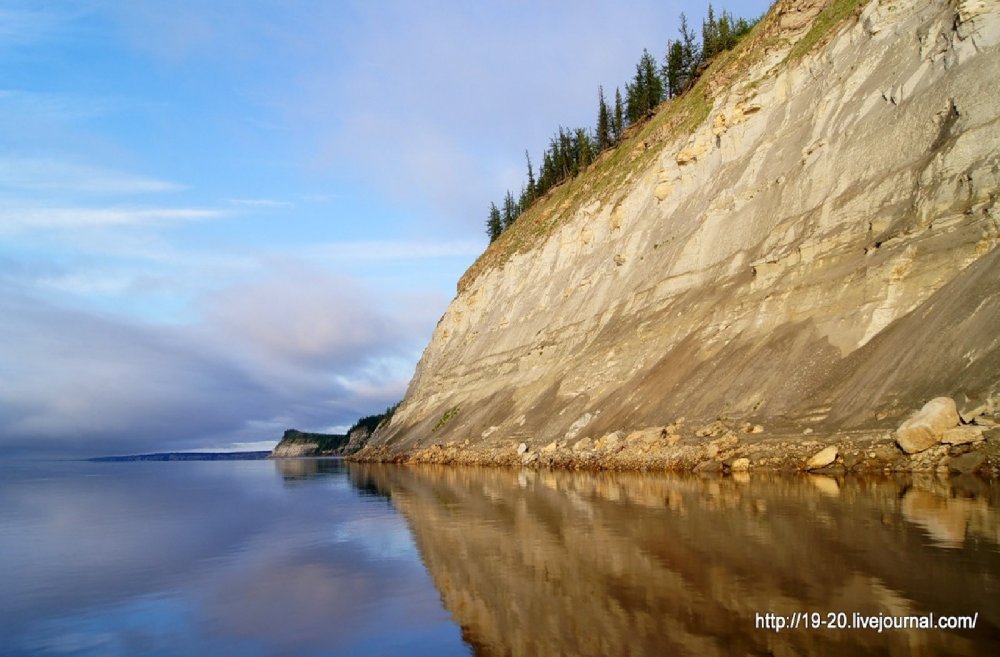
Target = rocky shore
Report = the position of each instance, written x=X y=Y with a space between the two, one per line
x=725 y=447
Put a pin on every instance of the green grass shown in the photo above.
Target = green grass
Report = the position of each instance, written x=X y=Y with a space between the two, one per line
x=828 y=19
x=447 y=417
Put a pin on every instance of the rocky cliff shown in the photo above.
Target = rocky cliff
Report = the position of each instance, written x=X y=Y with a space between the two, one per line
x=804 y=242
x=297 y=443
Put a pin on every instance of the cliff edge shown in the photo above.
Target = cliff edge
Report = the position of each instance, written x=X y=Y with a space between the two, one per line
x=804 y=243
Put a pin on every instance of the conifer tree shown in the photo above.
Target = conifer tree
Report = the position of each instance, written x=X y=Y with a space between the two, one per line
x=584 y=149
x=645 y=91
x=618 y=122
x=674 y=70
x=709 y=35
x=654 y=83
x=494 y=225
x=742 y=26
x=724 y=31
x=566 y=156
x=531 y=189
x=691 y=55
x=603 y=121
x=510 y=210
x=545 y=180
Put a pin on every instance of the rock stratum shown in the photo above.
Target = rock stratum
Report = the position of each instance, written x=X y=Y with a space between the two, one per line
x=804 y=243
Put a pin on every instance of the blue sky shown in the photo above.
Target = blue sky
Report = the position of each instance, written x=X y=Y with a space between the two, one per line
x=222 y=219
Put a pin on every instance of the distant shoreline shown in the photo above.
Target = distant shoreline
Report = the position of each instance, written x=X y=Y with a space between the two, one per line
x=185 y=456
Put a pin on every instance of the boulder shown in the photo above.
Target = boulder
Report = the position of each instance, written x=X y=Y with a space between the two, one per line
x=741 y=464
x=966 y=463
x=708 y=467
x=522 y=448
x=822 y=458
x=925 y=428
x=962 y=435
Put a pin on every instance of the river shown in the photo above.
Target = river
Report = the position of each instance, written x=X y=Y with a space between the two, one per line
x=319 y=557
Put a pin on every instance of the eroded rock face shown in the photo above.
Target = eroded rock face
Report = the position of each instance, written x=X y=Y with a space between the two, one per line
x=820 y=251
x=288 y=449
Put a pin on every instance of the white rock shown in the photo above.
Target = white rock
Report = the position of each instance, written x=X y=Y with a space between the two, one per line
x=924 y=428
x=822 y=458
x=522 y=448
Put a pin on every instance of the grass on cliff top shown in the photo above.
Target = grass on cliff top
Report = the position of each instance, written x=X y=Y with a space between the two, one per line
x=601 y=182
x=604 y=181
x=830 y=17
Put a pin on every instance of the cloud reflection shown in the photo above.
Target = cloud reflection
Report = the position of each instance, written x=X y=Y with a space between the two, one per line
x=207 y=558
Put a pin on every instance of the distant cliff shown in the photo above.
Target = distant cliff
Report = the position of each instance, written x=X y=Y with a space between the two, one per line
x=298 y=443
x=806 y=242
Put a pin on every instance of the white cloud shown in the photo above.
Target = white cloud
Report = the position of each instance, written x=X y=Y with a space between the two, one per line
x=302 y=319
x=388 y=250
x=36 y=174
x=23 y=106
x=263 y=203
x=28 y=217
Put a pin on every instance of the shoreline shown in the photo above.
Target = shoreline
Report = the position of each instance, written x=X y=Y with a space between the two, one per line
x=726 y=452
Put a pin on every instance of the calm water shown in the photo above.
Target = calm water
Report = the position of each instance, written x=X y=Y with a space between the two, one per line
x=313 y=557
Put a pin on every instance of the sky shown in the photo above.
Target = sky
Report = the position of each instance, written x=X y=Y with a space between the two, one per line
x=220 y=220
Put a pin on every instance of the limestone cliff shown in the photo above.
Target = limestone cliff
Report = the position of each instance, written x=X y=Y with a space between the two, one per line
x=806 y=240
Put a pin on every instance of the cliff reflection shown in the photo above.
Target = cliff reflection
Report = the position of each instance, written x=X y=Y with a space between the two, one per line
x=304 y=469
x=547 y=563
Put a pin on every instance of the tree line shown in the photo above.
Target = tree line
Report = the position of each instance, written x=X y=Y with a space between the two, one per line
x=571 y=150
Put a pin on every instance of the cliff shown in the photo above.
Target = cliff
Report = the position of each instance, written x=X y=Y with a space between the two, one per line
x=803 y=243
x=297 y=443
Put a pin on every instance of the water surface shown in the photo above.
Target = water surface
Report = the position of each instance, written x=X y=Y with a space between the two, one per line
x=315 y=557
x=209 y=558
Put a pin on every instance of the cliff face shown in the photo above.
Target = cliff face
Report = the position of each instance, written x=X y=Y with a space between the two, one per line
x=297 y=443
x=805 y=240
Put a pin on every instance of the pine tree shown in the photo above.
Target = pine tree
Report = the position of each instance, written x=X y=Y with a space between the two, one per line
x=603 y=121
x=654 y=83
x=645 y=91
x=618 y=122
x=584 y=149
x=531 y=190
x=674 y=70
x=709 y=35
x=510 y=210
x=691 y=56
x=566 y=155
x=727 y=39
x=545 y=181
x=494 y=225
x=742 y=26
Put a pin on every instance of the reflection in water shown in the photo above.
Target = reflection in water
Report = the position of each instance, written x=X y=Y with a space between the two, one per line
x=209 y=558
x=545 y=563
x=303 y=469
